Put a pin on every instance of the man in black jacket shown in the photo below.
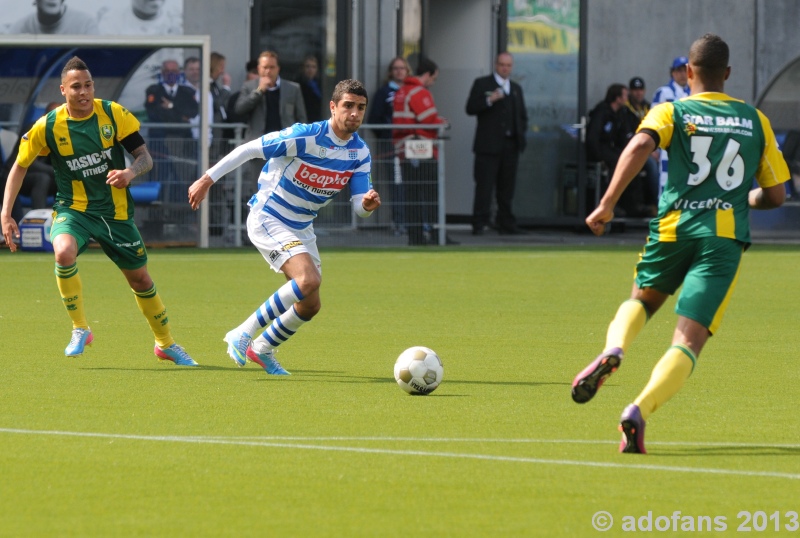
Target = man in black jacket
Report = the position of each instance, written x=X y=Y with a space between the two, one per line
x=169 y=101
x=606 y=137
x=499 y=106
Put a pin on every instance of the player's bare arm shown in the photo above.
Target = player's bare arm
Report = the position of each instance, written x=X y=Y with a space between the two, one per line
x=371 y=200
x=13 y=184
x=630 y=162
x=198 y=190
x=769 y=198
x=142 y=163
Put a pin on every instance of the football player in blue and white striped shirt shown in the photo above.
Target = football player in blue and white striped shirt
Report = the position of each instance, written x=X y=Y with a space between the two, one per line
x=307 y=165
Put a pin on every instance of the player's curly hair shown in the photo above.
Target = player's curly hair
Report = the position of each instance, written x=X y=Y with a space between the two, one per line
x=709 y=55
x=348 y=86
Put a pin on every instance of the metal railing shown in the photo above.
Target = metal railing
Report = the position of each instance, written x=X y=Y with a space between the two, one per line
x=167 y=218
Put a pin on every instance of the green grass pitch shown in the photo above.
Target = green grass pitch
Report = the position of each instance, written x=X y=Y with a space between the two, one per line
x=115 y=444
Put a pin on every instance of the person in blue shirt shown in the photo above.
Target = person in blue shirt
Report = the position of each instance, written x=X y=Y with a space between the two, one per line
x=307 y=166
x=676 y=88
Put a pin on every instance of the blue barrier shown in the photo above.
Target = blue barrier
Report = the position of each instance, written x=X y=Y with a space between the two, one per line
x=146 y=193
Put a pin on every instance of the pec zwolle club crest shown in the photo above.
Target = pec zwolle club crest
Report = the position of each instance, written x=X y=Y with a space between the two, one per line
x=106 y=131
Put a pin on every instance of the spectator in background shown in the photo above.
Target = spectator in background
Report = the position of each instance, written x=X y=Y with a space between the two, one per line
x=54 y=17
x=310 y=86
x=382 y=106
x=502 y=126
x=676 y=88
x=605 y=140
x=191 y=77
x=168 y=101
x=413 y=105
x=251 y=73
x=634 y=111
x=270 y=104
x=384 y=160
x=220 y=94
x=603 y=132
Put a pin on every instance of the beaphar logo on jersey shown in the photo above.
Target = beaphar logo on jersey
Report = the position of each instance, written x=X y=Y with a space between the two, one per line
x=107 y=132
x=319 y=178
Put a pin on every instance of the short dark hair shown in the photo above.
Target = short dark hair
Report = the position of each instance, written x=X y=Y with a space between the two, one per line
x=426 y=65
x=614 y=92
x=190 y=60
x=73 y=64
x=348 y=86
x=709 y=56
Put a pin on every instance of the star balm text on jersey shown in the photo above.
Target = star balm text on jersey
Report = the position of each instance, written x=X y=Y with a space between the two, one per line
x=719 y=121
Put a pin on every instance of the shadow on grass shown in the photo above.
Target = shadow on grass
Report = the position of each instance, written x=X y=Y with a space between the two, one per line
x=316 y=376
x=745 y=450
x=342 y=377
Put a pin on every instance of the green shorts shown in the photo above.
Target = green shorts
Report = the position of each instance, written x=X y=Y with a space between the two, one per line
x=707 y=268
x=119 y=239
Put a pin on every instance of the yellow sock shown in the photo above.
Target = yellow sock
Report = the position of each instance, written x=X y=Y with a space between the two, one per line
x=71 y=289
x=630 y=318
x=669 y=375
x=156 y=313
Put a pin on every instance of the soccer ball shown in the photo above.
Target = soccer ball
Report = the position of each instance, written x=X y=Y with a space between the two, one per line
x=418 y=370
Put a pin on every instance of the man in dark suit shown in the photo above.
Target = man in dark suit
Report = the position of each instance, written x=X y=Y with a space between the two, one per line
x=499 y=139
x=169 y=101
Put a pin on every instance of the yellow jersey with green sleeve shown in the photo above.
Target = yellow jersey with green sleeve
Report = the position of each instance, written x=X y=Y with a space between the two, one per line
x=82 y=152
x=717 y=145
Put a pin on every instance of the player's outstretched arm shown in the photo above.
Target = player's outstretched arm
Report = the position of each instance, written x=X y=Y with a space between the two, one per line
x=9 y=225
x=630 y=163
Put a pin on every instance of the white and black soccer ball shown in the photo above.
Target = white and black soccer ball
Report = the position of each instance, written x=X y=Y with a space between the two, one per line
x=418 y=370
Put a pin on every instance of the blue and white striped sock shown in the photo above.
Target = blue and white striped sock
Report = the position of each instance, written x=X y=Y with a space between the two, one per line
x=279 y=331
x=280 y=302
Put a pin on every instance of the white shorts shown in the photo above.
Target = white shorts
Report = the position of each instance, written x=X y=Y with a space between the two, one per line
x=277 y=242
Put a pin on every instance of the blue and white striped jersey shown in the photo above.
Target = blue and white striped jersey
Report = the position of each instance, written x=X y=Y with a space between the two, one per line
x=670 y=92
x=307 y=165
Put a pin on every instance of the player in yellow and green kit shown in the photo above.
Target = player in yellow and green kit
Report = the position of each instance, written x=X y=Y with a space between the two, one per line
x=86 y=139
x=717 y=145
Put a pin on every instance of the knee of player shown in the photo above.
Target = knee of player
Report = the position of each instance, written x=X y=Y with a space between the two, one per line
x=308 y=308
x=309 y=283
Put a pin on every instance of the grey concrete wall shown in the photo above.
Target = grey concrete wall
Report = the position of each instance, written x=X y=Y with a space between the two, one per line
x=641 y=37
x=460 y=42
x=625 y=38
x=228 y=24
